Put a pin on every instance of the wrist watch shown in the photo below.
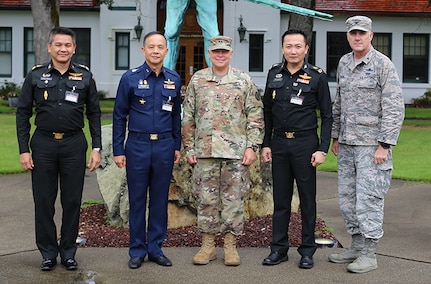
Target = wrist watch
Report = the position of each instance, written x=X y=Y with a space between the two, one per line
x=254 y=148
x=323 y=153
x=96 y=149
x=385 y=145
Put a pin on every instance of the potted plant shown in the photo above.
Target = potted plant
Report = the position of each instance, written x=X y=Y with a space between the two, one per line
x=10 y=91
x=13 y=99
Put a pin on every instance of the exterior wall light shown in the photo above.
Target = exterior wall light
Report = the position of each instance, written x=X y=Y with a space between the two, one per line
x=138 y=29
x=241 y=30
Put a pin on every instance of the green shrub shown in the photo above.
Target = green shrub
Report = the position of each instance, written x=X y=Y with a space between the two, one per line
x=424 y=100
x=9 y=89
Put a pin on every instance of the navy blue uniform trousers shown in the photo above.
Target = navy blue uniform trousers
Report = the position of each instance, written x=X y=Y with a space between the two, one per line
x=291 y=160
x=55 y=160
x=149 y=170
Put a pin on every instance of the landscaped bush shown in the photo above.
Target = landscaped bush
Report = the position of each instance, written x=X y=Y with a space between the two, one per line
x=424 y=100
x=9 y=90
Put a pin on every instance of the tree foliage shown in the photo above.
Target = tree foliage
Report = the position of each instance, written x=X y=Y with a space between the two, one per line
x=108 y=3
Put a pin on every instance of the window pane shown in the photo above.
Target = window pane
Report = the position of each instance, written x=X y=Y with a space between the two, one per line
x=83 y=46
x=383 y=43
x=337 y=47
x=255 y=59
x=122 y=51
x=28 y=50
x=312 y=52
x=415 y=58
x=5 y=52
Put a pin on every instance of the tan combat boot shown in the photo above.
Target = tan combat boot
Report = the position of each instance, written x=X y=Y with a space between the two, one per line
x=231 y=256
x=352 y=253
x=367 y=261
x=207 y=251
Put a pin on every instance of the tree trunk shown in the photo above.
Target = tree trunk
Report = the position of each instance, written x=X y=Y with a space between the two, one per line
x=300 y=22
x=46 y=16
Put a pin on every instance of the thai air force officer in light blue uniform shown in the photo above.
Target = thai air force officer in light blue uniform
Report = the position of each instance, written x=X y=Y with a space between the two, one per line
x=148 y=104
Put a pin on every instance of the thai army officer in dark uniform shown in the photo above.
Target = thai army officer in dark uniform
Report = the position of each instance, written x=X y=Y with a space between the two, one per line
x=294 y=91
x=62 y=92
x=148 y=103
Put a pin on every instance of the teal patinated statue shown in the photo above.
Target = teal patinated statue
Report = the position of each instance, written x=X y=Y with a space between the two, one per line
x=207 y=20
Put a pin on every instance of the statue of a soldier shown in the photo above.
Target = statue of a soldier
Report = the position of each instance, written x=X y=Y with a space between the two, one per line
x=207 y=20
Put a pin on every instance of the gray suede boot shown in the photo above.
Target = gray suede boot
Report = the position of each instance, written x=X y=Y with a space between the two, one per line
x=352 y=253
x=367 y=261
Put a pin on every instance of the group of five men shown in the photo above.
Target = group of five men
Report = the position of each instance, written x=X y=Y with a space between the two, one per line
x=225 y=122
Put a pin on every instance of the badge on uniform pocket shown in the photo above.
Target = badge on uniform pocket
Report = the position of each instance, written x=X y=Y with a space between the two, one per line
x=297 y=99
x=71 y=96
x=167 y=105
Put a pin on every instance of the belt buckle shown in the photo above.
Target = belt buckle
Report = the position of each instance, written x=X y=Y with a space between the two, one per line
x=290 y=135
x=154 y=137
x=58 y=135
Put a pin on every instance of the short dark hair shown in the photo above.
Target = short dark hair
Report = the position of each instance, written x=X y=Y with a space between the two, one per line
x=150 y=34
x=293 y=32
x=61 y=31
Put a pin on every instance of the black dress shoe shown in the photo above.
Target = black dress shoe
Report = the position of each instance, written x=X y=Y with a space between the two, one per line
x=69 y=264
x=275 y=258
x=48 y=264
x=135 y=262
x=306 y=262
x=161 y=260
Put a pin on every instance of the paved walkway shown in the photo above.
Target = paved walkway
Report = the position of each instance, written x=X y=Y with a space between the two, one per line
x=404 y=253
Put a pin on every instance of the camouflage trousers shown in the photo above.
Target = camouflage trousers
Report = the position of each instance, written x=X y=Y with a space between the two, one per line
x=220 y=186
x=362 y=187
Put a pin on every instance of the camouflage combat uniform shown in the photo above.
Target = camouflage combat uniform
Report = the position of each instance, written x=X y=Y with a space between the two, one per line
x=368 y=110
x=222 y=117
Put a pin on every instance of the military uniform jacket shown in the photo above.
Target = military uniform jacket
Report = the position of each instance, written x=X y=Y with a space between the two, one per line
x=368 y=107
x=221 y=118
x=143 y=101
x=290 y=102
x=60 y=101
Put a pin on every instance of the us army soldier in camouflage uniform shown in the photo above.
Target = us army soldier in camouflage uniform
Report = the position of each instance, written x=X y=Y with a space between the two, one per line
x=222 y=128
x=368 y=114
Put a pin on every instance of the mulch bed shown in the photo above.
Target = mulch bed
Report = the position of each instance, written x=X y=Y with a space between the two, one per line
x=257 y=232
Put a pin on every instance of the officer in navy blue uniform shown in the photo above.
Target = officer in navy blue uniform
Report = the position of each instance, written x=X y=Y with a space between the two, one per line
x=148 y=103
x=61 y=91
x=294 y=90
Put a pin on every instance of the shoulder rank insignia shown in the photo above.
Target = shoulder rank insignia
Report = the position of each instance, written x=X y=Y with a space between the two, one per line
x=318 y=69
x=36 y=66
x=83 y=66
x=274 y=65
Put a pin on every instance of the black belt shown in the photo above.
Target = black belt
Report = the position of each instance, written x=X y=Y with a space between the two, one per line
x=294 y=134
x=58 y=135
x=150 y=136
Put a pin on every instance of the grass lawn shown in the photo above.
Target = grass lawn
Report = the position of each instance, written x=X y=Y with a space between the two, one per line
x=411 y=156
x=9 y=153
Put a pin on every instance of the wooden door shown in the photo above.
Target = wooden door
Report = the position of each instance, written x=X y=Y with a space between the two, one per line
x=191 y=57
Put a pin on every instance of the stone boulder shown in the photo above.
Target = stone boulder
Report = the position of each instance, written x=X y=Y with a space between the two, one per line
x=112 y=183
x=182 y=202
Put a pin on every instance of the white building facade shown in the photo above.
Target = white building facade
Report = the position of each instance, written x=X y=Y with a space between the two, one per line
x=113 y=46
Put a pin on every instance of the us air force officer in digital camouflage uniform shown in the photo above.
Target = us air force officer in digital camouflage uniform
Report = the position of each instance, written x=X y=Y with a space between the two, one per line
x=221 y=129
x=368 y=114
